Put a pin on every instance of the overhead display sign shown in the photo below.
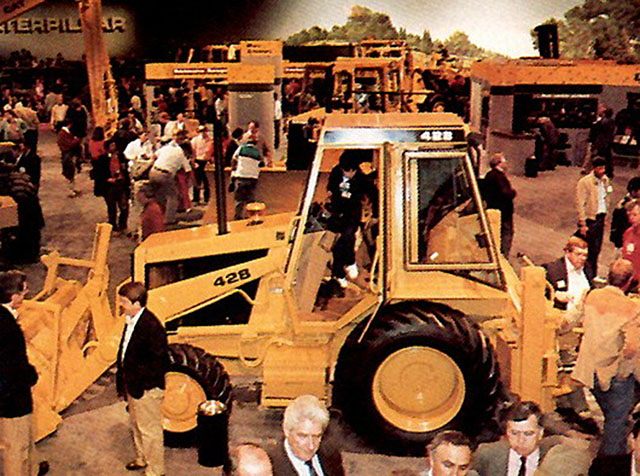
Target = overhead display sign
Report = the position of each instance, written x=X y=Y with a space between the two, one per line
x=52 y=28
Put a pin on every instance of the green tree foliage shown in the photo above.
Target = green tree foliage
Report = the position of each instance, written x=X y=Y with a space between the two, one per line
x=315 y=33
x=363 y=24
x=601 y=29
x=459 y=44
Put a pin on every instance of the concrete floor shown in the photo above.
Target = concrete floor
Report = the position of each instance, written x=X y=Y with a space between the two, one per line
x=93 y=438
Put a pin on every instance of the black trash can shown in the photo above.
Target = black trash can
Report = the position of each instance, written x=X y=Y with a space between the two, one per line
x=213 y=433
x=531 y=166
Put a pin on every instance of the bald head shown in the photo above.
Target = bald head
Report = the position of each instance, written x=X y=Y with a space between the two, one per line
x=250 y=460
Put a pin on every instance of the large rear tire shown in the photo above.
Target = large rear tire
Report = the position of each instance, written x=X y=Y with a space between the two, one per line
x=420 y=368
x=194 y=376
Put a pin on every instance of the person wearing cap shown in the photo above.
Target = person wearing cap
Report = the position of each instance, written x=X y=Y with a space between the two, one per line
x=202 y=146
x=593 y=201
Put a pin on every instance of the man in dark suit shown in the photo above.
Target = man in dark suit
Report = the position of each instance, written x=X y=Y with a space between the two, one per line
x=522 y=451
x=499 y=194
x=302 y=452
x=620 y=465
x=570 y=275
x=28 y=161
x=143 y=360
x=17 y=376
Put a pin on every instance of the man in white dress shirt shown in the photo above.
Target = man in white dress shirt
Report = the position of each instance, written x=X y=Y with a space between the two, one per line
x=169 y=159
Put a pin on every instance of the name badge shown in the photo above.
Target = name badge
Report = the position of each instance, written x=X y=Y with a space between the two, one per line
x=561 y=284
x=631 y=248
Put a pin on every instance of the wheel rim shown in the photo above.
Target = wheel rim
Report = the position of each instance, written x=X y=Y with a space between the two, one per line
x=182 y=396
x=418 y=389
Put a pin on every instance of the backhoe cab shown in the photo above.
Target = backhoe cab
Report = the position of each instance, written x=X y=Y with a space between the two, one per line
x=413 y=345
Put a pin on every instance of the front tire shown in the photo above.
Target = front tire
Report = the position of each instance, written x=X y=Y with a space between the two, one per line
x=420 y=368
x=194 y=376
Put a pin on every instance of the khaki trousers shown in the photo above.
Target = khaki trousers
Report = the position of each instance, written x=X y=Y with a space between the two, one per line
x=145 y=415
x=16 y=435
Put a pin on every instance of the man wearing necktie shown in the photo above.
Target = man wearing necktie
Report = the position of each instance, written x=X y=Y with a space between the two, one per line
x=521 y=452
x=143 y=360
x=302 y=452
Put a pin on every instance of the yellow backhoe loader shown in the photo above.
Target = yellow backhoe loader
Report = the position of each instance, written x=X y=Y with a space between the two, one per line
x=429 y=338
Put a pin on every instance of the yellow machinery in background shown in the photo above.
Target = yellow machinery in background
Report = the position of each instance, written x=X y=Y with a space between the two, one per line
x=429 y=338
x=72 y=335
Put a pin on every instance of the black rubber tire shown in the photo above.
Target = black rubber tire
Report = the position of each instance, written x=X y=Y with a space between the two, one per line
x=208 y=372
x=410 y=324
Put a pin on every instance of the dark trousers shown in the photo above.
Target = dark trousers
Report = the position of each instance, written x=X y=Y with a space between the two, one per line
x=201 y=181
x=506 y=236
x=31 y=138
x=245 y=193
x=595 y=231
x=276 y=134
x=617 y=404
x=344 y=253
x=117 y=199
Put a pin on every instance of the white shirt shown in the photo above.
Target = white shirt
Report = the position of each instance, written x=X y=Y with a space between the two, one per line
x=202 y=148
x=171 y=158
x=58 y=113
x=299 y=465
x=13 y=311
x=277 y=113
x=634 y=470
x=172 y=127
x=577 y=283
x=514 y=463
x=128 y=331
x=602 y=197
x=135 y=149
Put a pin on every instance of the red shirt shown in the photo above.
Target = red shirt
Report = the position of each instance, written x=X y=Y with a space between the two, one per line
x=152 y=219
x=631 y=248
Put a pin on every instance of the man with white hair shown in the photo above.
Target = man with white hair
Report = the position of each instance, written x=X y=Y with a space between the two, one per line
x=302 y=452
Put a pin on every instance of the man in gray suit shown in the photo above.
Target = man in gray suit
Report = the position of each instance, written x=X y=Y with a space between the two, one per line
x=522 y=451
x=449 y=454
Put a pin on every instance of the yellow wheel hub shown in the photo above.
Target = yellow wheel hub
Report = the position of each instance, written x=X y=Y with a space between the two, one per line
x=418 y=389
x=182 y=396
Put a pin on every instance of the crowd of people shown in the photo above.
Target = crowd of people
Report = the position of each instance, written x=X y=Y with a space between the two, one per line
x=161 y=170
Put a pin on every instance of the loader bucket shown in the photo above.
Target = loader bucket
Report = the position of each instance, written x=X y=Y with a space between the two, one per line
x=71 y=333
